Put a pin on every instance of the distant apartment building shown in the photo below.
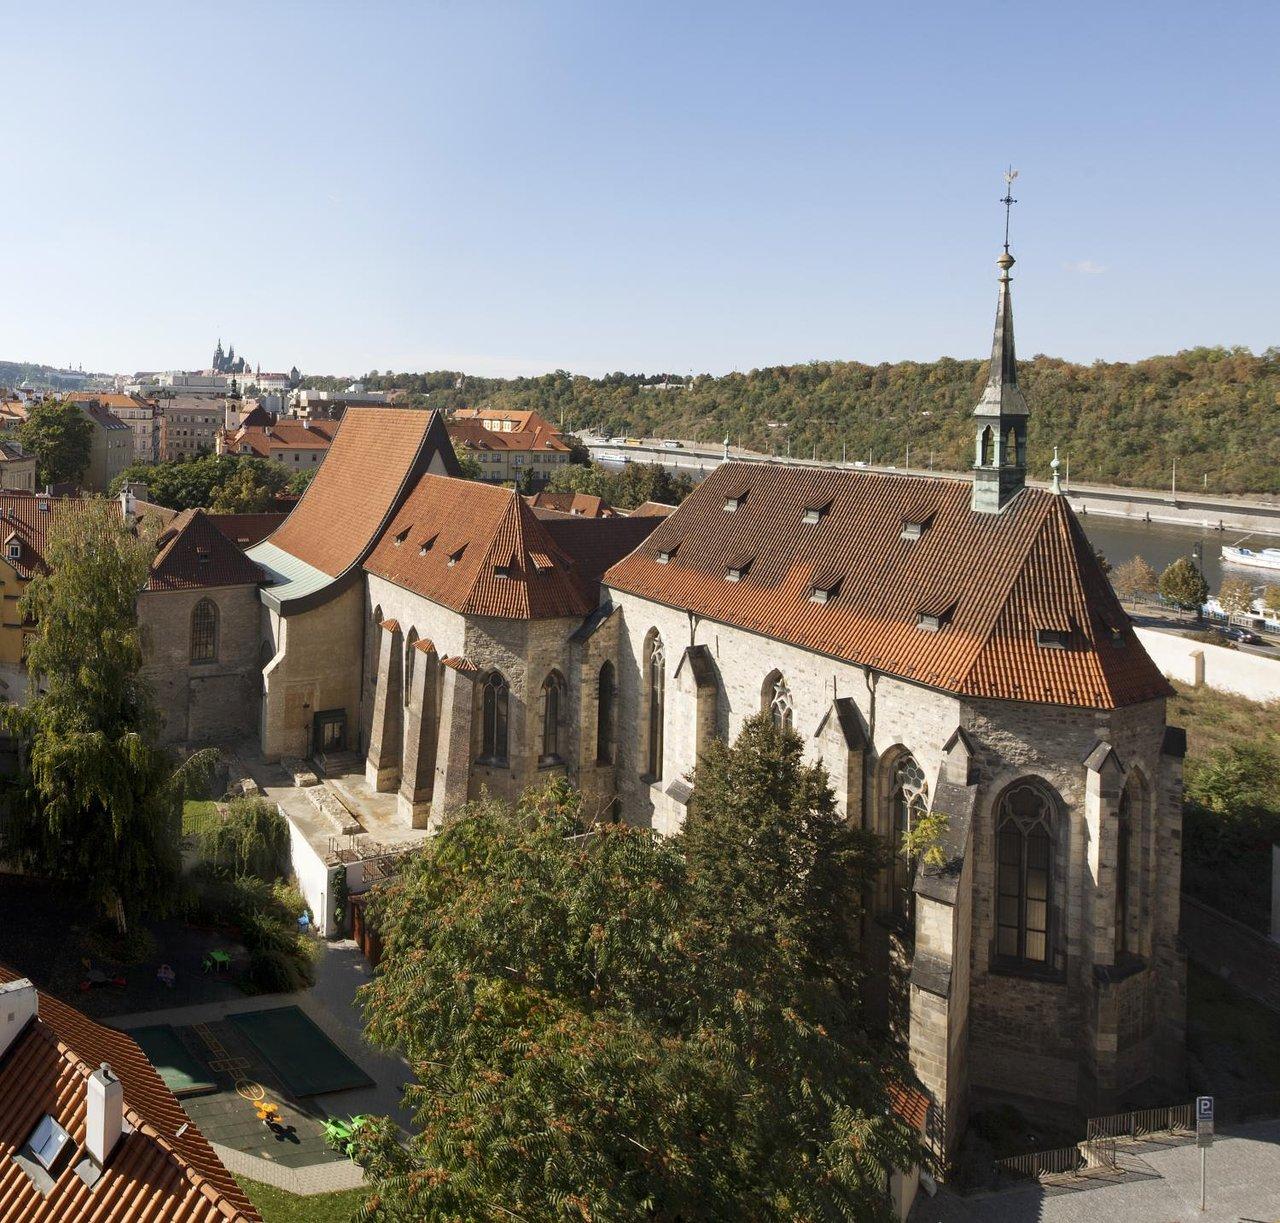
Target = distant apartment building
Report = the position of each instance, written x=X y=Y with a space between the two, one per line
x=330 y=405
x=296 y=444
x=505 y=420
x=141 y=416
x=180 y=383
x=190 y=426
x=505 y=455
x=110 y=447
x=17 y=468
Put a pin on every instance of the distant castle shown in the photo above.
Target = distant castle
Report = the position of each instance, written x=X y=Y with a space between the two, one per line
x=227 y=362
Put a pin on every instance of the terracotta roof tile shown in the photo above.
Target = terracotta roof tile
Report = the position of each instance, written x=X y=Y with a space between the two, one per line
x=354 y=492
x=154 y=1173
x=471 y=546
x=246 y=529
x=27 y=516
x=1006 y=574
x=194 y=554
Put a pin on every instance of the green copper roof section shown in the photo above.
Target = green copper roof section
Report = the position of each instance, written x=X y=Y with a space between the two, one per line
x=290 y=581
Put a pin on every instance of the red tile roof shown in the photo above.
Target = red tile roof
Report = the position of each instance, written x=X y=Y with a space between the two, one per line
x=1004 y=576
x=246 y=529
x=522 y=420
x=594 y=544
x=366 y=475
x=23 y=519
x=194 y=554
x=283 y=435
x=652 y=509
x=585 y=505
x=154 y=1173
x=475 y=436
x=479 y=550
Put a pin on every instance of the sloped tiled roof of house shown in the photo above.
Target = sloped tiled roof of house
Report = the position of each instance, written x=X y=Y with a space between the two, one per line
x=106 y=399
x=595 y=544
x=366 y=474
x=585 y=505
x=102 y=416
x=520 y=419
x=283 y=435
x=194 y=554
x=246 y=529
x=475 y=436
x=479 y=550
x=989 y=583
x=163 y=1170
x=25 y=519
x=652 y=509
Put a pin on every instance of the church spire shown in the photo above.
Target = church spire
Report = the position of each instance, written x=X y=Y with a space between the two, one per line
x=999 y=467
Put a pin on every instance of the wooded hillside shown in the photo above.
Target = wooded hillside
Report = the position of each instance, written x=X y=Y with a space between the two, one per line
x=1215 y=410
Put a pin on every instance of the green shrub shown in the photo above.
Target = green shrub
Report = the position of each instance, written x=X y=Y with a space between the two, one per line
x=252 y=840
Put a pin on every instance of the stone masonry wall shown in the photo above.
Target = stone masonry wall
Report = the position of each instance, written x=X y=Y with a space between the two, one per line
x=202 y=702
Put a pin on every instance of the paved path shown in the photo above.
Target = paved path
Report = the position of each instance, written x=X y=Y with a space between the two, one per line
x=340 y=970
x=1162 y=1186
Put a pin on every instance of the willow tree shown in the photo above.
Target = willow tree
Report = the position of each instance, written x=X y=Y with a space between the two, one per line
x=97 y=805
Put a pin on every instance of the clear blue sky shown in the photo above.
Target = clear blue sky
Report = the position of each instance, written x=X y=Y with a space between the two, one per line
x=516 y=187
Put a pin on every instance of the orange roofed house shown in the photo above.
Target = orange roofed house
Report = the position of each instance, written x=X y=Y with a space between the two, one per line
x=940 y=645
x=88 y=1131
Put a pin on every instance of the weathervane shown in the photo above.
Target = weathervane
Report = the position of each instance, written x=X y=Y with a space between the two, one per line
x=1008 y=201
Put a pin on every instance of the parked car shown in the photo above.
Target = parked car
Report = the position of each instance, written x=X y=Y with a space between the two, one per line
x=673 y=445
x=1233 y=632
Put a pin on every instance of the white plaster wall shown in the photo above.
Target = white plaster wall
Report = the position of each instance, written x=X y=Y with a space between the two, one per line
x=312 y=876
x=1227 y=670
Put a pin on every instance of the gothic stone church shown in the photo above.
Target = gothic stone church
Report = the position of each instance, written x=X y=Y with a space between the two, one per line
x=940 y=644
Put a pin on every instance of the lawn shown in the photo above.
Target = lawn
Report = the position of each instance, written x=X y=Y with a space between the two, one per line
x=277 y=1206
x=1215 y=720
x=198 y=815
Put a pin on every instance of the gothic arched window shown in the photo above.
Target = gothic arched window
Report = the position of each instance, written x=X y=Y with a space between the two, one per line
x=605 y=690
x=493 y=719
x=204 y=631
x=908 y=804
x=410 y=657
x=1124 y=843
x=775 y=697
x=987 y=447
x=655 y=702
x=552 y=704
x=1024 y=870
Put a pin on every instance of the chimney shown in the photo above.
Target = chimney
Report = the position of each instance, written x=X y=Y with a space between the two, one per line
x=126 y=503
x=18 y=1006
x=104 y=1114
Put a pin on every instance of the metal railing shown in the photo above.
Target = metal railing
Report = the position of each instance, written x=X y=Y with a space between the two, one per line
x=1061 y=1161
x=1177 y=1118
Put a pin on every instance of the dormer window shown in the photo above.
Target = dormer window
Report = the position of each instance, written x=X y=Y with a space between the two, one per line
x=935 y=615
x=1052 y=638
x=455 y=557
x=816 y=511
x=14 y=551
x=426 y=545
x=733 y=502
x=825 y=589
x=399 y=539
x=915 y=525
x=665 y=554
x=738 y=569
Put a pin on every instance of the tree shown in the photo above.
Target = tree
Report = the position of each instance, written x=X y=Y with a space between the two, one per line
x=635 y=483
x=60 y=435
x=197 y=483
x=594 y=1033
x=98 y=806
x=1271 y=597
x=469 y=466
x=245 y=492
x=1235 y=596
x=300 y=480
x=1135 y=579
x=1183 y=585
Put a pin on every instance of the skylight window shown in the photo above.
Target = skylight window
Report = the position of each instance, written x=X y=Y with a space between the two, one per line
x=914 y=525
x=1052 y=638
x=733 y=502
x=935 y=615
x=47 y=1142
x=665 y=554
x=816 y=511
x=738 y=569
